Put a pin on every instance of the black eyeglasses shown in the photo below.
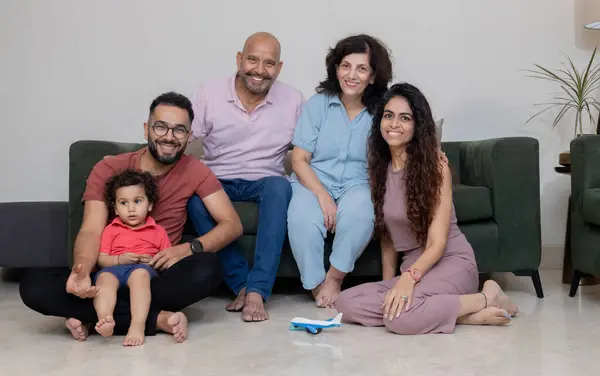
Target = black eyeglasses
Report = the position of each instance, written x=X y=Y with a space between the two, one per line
x=161 y=129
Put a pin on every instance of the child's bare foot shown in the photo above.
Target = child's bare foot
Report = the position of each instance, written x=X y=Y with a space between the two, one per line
x=77 y=329
x=487 y=316
x=254 y=308
x=174 y=323
x=105 y=326
x=332 y=288
x=238 y=303
x=135 y=335
x=497 y=298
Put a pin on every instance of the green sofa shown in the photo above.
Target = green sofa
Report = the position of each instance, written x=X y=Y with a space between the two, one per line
x=585 y=208
x=496 y=196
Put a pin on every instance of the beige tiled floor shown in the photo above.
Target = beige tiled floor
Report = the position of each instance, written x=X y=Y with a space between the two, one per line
x=554 y=336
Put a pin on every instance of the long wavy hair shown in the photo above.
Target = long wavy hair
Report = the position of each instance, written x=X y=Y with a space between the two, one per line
x=423 y=171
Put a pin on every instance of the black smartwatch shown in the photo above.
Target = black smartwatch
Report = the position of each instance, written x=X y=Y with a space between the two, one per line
x=196 y=246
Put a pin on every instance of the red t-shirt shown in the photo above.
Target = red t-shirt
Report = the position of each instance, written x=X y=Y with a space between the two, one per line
x=148 y=239
x=187 y=177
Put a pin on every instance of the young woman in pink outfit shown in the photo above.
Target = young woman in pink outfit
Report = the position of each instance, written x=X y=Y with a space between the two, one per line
x=414 y=216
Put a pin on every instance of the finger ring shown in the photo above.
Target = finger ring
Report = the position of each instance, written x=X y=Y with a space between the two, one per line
x=405 y=298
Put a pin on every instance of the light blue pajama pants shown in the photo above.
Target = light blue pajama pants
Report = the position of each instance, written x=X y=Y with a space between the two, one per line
x=307 y=232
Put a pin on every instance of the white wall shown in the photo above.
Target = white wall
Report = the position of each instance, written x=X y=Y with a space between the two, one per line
x=72 y=70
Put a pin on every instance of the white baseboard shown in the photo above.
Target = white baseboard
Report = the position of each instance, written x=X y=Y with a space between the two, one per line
x=552 y=257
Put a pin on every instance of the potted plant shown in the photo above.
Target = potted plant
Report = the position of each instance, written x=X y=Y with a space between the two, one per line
x=578 y=89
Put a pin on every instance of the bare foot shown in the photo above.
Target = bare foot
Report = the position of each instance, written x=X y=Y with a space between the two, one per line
x=316 y=294
x=254 y=308
x=77 y=329
x=330 y=292
x=497 y=298
x=174 y=323
x=135 y=335
x=487 y=316
x=105 y=326
x=238 y=303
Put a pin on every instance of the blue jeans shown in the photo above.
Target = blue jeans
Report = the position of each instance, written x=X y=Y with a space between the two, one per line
x=273 y=195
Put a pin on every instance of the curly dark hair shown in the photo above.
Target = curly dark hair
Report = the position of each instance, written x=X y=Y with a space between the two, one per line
x=173 y=99
x=379 y=59
x=423 y=170
x=128 y=178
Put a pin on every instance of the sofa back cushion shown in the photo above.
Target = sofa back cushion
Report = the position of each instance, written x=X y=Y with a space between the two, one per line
x=83 y=156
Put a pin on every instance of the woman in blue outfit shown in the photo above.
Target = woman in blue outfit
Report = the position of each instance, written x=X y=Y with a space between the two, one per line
x=330 y=182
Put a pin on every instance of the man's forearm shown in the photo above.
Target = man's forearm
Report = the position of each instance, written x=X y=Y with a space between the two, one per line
x=221 y=235
x=87 y=247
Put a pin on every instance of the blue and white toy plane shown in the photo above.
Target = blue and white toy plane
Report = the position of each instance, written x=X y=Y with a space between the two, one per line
x=315 y=326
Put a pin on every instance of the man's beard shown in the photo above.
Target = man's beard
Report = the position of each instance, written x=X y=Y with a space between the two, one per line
x=254 y=87
x=152 y=147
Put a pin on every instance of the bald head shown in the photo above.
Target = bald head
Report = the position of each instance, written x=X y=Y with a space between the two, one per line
x=258 y=63
x=264 y=41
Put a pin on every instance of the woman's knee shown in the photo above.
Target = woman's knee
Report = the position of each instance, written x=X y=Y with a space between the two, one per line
x=349 y=303
x=344 y=304
x=406 y=324
x=303 y=219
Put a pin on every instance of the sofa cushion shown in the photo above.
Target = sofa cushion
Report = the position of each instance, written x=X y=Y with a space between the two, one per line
x=472 y=203
x=248 y=212
x=591 y=206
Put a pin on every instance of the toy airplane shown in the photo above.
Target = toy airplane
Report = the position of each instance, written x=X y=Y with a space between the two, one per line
x=315 y=326
x=593 y=26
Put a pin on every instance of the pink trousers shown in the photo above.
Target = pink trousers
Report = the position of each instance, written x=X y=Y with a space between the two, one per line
x=435 y=303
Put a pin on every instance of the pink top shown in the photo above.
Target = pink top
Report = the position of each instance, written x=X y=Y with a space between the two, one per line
x=148 y=239
x=396 y=218
x=242 y=145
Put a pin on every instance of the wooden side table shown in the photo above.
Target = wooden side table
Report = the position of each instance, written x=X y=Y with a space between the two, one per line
x=567 y=272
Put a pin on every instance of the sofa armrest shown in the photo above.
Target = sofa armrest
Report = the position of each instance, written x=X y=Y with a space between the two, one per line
x=585 y=163
x=509 y=167
x=33 y=234
x=585 y=178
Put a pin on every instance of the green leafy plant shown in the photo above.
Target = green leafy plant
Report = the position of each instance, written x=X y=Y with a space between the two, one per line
x=578 y=89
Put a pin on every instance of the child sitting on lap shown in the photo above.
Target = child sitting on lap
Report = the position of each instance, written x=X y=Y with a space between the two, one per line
x=128 y=243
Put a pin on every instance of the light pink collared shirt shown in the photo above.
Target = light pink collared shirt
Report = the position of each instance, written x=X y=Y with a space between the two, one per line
x=242 y=145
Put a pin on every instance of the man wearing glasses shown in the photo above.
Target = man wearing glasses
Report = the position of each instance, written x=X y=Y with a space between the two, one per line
x=246 y=123
x=188 y=272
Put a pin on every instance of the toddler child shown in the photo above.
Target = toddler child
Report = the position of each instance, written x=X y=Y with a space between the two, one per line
x=128 y=243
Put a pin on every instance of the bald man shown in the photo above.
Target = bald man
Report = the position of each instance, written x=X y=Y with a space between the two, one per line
x=246 y=122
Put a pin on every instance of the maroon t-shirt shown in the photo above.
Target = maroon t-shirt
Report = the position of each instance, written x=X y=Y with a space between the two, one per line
x=188 y=176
